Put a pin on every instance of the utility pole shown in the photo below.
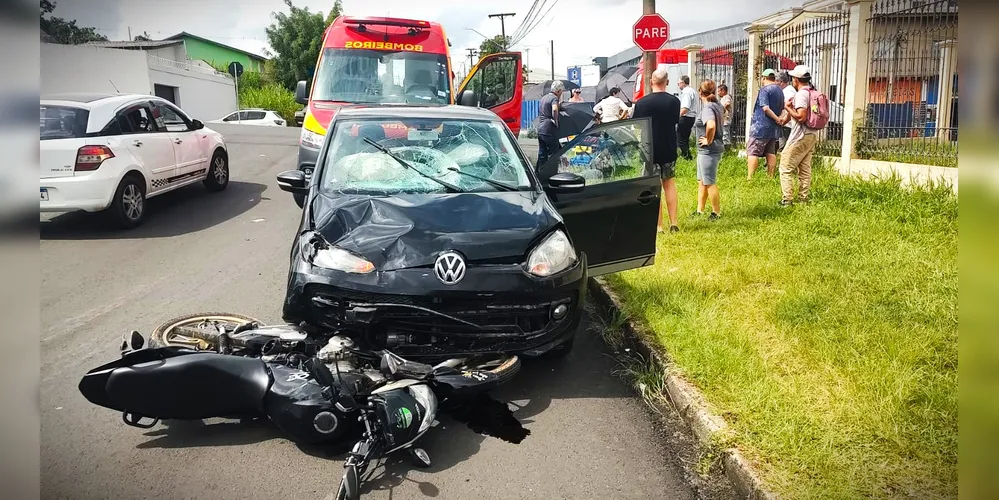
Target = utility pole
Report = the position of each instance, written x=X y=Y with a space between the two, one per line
x=130 y=33
x=648 y=58
x=471 y=55
x=503 y=25
x=527 y=62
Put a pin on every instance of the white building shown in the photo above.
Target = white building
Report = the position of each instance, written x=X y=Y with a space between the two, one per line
x=158 y=68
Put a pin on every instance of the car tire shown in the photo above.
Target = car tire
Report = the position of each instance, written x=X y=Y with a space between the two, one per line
x=218 y=172
x=128 y=207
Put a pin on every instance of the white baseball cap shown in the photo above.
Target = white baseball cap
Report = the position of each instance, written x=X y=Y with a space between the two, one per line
x=800 y=71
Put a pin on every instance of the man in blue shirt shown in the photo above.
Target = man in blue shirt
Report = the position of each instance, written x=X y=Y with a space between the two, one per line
x=765 y=126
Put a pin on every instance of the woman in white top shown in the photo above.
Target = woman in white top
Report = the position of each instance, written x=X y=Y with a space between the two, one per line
x=612 y=108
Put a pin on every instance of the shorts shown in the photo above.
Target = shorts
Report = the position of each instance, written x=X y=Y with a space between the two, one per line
x=761 y=147
x=667 y=171
x=707 y=167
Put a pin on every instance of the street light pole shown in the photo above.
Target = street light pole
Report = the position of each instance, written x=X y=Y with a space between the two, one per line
x=648 y=58
x=503 y=25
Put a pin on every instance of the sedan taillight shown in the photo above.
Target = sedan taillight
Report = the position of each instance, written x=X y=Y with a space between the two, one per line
x=89 y=158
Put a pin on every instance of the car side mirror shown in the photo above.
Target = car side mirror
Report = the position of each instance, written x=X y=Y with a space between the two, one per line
x=293 y=181
x=302 y=92
x=566 y=182
x=468 y=98
x=197 y=124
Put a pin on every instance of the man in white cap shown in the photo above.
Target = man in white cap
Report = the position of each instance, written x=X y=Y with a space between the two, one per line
x=796 y=159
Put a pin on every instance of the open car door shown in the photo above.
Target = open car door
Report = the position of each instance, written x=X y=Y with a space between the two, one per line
x=495 y=83
x=613 y=218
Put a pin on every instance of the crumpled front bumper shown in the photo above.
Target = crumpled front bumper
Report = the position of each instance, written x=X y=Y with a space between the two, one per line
x=405 y=310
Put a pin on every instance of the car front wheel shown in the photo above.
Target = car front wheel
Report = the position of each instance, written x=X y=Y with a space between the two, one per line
x=129 y=205
x=218 y=172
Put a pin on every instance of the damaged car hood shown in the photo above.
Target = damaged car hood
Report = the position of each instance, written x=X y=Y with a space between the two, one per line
x=404 y=231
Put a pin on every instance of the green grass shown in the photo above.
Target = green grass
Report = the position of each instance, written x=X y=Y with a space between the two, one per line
x=825 y=334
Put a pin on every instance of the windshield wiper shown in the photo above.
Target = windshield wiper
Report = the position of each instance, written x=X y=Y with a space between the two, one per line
x=499 y=185
x=450 y=187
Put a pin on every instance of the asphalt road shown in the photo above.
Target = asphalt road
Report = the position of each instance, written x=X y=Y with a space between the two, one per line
x=199 y=251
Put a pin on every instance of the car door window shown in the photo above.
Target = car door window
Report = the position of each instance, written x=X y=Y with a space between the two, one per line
x=608 y=153
x=494 y=82
x=255 y=115
x=170 y=119
x=137 y=120
x=231 y=117
x=244 y=115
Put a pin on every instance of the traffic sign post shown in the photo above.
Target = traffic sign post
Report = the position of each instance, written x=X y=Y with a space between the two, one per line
x=650 y=32
x=236 y=70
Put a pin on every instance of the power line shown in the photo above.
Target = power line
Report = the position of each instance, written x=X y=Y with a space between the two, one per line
x=542 y=18
x=528 y=19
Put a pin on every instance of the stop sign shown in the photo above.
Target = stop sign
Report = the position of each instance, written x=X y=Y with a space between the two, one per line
x=651 y=32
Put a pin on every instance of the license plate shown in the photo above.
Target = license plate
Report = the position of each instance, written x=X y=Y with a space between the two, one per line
x=45 y=194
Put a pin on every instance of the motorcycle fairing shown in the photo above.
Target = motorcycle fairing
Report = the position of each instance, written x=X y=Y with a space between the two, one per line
x=295 y=399
x=177 y=383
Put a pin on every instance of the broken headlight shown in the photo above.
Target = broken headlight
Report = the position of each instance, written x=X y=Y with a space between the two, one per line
x=339 y=259
x=553 y=255
x=312 y=139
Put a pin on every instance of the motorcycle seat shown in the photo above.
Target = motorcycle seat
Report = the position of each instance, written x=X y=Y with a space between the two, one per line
x=190 y=387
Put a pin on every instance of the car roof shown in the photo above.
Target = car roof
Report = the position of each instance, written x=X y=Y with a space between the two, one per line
x=93 y=100
x=451 y=112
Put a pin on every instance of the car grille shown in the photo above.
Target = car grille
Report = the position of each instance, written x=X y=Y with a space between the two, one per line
x=498 y=315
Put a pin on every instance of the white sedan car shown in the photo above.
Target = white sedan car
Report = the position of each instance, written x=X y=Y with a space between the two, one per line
x=264 y=117
x=110 y=152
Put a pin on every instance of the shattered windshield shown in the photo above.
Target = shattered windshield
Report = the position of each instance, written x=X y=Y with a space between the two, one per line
x=376 y=76
x=437 y=155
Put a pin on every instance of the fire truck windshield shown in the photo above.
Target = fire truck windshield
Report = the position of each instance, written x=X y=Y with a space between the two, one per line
x=377 y=76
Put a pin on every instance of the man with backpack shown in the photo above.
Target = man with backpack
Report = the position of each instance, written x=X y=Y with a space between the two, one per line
x=810 y=113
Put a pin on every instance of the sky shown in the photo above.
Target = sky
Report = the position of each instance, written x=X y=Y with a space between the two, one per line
x=581 y=29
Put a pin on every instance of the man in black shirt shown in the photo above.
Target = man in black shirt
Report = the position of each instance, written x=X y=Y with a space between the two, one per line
x=664 y=110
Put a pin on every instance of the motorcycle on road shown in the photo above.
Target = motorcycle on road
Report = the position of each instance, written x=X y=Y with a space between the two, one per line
x=317 y=389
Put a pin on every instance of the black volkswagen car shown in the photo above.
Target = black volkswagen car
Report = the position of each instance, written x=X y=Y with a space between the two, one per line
x=426 y=230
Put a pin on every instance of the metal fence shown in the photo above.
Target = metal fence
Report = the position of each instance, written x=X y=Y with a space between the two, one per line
x=818 y=40
x=909 y=75
x=729 y=65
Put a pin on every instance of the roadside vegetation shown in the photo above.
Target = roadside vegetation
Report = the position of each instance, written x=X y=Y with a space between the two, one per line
x=825 y=334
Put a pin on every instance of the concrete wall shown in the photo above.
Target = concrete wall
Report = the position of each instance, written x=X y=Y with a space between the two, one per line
x=910 y=174
x=80 y=68
x=176 y=53
x=201 y=95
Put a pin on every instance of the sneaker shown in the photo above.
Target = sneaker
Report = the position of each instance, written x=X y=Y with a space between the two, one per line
x=714 y=217
x=803 y=201
x=674 y=229
x=785 y=203
x=697 y=214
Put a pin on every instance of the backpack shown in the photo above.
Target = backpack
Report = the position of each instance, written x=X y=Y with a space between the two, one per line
x=818 y=110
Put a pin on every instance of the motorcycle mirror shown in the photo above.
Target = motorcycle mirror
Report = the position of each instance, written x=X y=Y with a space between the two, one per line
x=136 y=340
x=131 y=341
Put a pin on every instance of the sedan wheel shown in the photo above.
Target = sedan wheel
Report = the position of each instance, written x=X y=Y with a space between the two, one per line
x=129 y=205
x=218 y=172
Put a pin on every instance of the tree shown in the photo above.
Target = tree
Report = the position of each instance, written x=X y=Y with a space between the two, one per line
x=144 y=37
x=64 y=31
x=297 y=38
x=492 y=45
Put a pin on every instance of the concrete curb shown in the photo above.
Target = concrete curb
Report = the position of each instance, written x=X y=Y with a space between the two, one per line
x=688 y=401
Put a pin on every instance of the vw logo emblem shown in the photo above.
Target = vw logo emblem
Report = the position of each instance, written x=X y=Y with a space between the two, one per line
x=449 y=268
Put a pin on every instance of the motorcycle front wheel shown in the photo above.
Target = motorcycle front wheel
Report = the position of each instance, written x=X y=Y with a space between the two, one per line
x=350 y=485
x=198 y=330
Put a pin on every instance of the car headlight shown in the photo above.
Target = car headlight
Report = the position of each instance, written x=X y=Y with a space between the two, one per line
x=339 y=259
x=553 y=255
x=312 y=139
x=423 y=395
